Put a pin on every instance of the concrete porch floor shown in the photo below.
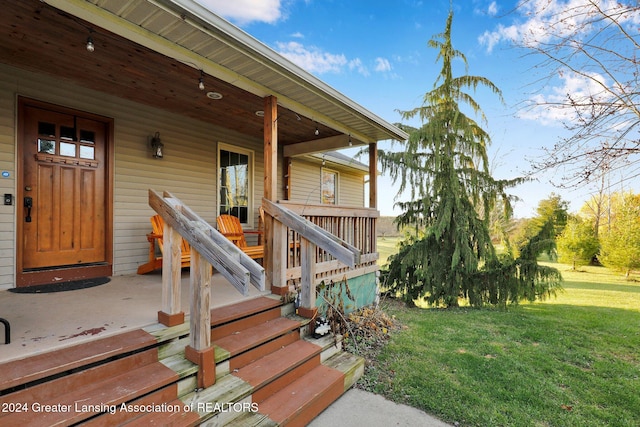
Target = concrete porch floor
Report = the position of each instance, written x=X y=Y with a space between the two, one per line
x=44 y=322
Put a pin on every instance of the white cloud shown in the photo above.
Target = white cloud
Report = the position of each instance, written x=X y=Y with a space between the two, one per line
x=297 y=35
x=246 y=11
x=544 y=20
x=481 y=8
x=312 y=58
x=356 y=64
x=493 y=9
x=382 y=65
x=553 y=108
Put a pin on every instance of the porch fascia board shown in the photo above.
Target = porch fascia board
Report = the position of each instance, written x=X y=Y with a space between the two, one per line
x=320 y=145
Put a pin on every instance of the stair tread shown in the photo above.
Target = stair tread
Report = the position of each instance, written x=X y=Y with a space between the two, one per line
x=40 y=366
x=53 y=387
x=305 y=397
x=79 y=404
x=165 y=394
x=277 y=363
x=221 y=315
x=247 y=322
x=167 y=418
x=246 y=339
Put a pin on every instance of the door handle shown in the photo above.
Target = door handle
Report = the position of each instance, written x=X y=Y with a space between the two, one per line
x=28 y=203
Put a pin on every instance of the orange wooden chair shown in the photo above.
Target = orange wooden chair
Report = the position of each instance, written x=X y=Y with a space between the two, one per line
x=155 y=263
x=231 y=228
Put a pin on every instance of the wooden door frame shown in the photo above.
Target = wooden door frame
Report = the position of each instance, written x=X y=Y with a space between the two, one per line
x=67 y=273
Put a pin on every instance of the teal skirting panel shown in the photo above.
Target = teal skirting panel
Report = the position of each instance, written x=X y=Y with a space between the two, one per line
x=351 y=294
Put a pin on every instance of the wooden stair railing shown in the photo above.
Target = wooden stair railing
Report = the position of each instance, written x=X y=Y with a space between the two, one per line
x=216 y=249
x=208 y=248
x=311 y=236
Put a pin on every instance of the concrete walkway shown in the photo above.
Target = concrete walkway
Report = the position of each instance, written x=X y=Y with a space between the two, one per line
x=361 y=408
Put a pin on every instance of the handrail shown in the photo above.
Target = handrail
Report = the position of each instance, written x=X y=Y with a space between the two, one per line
x=208 y=246
x=225 y=257
x=330 y=210
x=311 y=238
x=341 y=250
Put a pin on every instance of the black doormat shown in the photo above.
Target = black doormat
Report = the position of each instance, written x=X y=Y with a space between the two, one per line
x=61 y=287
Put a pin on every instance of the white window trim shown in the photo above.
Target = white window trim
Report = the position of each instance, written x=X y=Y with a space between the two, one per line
x=337 y=189
x=251 y=155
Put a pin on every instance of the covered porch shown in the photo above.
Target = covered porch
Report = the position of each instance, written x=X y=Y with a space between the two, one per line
x=173 y=69
x=123 y=97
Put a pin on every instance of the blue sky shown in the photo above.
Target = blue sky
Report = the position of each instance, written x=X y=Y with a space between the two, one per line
x=375 y=52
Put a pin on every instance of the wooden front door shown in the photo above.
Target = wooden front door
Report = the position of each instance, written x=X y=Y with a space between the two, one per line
x=63 y=196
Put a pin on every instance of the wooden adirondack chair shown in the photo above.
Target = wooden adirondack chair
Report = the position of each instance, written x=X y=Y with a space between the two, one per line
x=231 y=228
x=155 y=263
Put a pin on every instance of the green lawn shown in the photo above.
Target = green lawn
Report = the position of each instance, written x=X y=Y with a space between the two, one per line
x=571 y=361
x=386 y=246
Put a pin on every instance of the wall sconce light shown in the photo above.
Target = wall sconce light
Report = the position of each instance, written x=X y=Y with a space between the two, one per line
x=156 y=145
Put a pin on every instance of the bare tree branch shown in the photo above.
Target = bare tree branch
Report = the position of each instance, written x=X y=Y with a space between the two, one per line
x=589 y=57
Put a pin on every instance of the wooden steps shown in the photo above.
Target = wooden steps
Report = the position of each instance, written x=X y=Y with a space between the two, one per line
x=84 y=394
x=302 y=400
x=297 y=358
x=265 y=373
x=41 y=366
x=240 y=341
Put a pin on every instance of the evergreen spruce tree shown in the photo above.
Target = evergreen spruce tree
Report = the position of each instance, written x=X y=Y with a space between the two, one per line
x=445 y=168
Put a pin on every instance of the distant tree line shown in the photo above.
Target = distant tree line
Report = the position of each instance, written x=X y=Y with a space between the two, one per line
x=605 y=231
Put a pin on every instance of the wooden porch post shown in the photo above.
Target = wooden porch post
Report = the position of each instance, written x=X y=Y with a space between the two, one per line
x=287 y=178
x=307 y=280
x=200 y=351
x=272 y=258
x=171 y=313
x=270 y=148
x=373 y=193
x=373 y=175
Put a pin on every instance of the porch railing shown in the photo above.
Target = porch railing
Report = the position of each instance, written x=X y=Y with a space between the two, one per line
x=356 y=226
x=310 y=244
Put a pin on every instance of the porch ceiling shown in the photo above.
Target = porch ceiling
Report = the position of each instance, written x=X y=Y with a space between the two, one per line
x=37 y=37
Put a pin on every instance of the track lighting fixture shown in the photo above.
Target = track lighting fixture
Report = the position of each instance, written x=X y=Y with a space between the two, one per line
x=350 y=143
x=317 y=132
x=201 y=81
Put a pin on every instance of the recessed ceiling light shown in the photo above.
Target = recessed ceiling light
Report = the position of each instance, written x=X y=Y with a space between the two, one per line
x=260 y=113
x=214 y=95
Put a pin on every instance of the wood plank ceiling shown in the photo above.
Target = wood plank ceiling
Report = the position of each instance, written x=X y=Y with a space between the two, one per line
x=39 y=38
